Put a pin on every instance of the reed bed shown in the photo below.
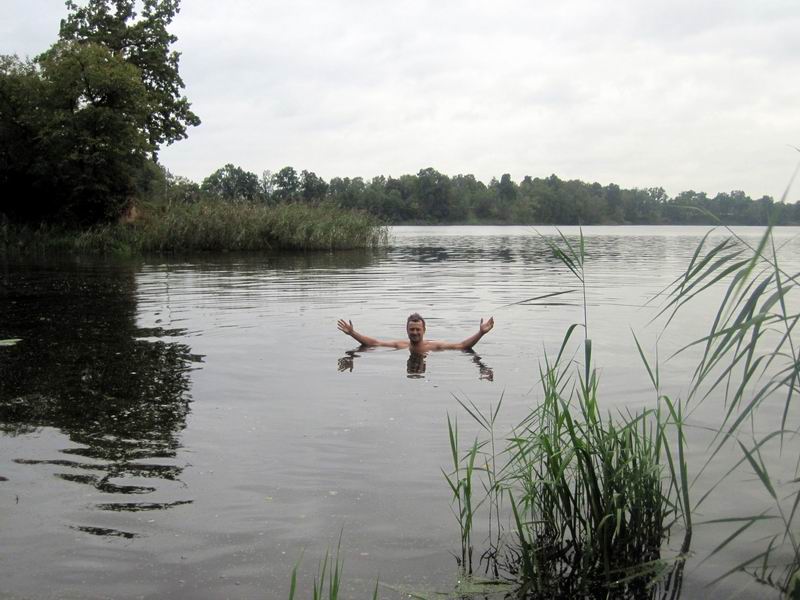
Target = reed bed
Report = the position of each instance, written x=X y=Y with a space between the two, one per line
x=209 y=226
x=590 y=500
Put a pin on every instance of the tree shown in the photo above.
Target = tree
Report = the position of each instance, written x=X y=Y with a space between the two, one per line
x=312 y=187
x=145 y=43
x=233 y=184
x=180 y=189
x=80 y=126
x=286 y=184
x=72 y=141
x=435 y=195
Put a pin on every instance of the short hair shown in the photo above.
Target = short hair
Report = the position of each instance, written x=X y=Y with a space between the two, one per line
x=415 y=317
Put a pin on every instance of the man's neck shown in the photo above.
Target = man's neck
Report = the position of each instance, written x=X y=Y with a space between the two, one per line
x=418 y=347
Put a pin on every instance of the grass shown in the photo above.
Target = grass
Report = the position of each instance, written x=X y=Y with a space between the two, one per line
x=207 y=226
x=328 y=580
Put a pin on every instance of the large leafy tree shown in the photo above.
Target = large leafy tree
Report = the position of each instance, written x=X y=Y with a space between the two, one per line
x=233 y=183
x=143 y=41
x=312 y=186
x=71 y=134
x=435 y=195
x=81 y=124
x=286 y=184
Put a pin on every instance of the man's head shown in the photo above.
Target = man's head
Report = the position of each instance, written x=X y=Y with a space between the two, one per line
x=415 y=328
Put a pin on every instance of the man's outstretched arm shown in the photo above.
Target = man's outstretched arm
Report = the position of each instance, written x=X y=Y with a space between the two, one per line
x=346 y=327
x=483 y=329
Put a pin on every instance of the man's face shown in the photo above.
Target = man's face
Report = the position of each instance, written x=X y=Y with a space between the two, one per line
x=415 y=330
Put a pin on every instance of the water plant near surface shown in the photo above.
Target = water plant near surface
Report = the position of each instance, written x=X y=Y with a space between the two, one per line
x=592 y=499
x=460 y=481
x=750 y=364
x=328 y=580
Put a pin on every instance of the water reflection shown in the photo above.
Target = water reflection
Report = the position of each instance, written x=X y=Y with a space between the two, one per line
x=485 y=372
x=416 y=365
x=83 y=367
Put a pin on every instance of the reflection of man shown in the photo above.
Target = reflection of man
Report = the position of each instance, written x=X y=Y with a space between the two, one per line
x=486 y=372
x=415 y=329
x=415 y=367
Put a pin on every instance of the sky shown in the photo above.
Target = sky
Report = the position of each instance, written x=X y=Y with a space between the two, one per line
x=700 y=95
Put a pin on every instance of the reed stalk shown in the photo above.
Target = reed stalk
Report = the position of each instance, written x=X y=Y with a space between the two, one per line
x=749 y=361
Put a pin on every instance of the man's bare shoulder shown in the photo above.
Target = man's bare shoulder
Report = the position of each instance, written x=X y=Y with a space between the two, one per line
x=396 y=344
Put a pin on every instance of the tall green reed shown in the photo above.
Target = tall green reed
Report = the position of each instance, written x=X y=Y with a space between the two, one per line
x=327 y=582
x=460 y=481
x=592 y=498
x=749 y=364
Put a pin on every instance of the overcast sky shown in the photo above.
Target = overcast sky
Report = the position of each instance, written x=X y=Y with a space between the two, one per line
x=681 y=94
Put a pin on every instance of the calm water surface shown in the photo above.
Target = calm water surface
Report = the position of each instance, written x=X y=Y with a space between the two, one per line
x=184 y=428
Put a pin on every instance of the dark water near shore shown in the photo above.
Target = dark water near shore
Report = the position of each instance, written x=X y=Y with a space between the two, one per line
x=184 y=428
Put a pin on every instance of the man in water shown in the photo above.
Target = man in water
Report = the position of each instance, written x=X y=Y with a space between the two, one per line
x=415 y=328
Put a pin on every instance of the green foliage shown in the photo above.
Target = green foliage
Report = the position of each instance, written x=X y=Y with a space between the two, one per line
x=80 y=125
x=144 y=42
x=329 y=573
x=312 y=186
x=179 y=189
x=286 y=184
x=432 y=197
x=71 y=140
x=208 y=225
x=592 y=499
x=460 y=481
x=750 y=365
x=233 y=184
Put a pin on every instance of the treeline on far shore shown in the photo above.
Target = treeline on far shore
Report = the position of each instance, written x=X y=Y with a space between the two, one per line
x=434 y=197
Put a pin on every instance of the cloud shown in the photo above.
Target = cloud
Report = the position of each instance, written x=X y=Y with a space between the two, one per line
x=680 y=94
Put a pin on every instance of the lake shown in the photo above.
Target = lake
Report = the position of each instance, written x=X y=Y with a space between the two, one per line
x=187 y=427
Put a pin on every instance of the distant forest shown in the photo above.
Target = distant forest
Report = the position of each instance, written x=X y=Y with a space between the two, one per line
x=435 y=198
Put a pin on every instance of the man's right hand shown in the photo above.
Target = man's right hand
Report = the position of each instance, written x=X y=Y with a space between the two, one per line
x=346 y=327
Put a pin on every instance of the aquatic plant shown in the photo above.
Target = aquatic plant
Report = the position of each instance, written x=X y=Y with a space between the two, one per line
x=329 y=573
x=750 y=365
x=460 y=482
x=208 y=225
x=592 y=500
